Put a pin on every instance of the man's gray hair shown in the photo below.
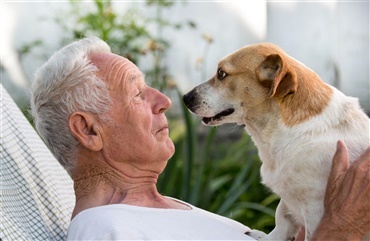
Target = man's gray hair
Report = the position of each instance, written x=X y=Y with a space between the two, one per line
x=66 y=83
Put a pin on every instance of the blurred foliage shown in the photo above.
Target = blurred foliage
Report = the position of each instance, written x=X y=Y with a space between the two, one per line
x=26 y=48
x=131 y=34
x=210 y=171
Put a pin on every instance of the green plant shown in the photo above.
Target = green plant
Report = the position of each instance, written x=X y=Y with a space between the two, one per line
x=131 y=34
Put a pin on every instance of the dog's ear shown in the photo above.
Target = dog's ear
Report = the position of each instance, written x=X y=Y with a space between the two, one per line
x=274 y=74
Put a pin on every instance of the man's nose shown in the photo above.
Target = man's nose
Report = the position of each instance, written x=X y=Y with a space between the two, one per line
x=163 y=103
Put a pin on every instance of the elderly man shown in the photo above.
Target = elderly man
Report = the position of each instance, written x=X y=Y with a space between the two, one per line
x=108 y=128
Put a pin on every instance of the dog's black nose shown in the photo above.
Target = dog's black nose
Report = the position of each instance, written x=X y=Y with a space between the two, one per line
x=188 y=98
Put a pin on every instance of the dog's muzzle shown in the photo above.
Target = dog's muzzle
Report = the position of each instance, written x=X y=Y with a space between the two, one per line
x=190 y=100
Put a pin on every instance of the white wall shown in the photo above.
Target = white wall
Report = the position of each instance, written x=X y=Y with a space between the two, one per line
x=22 y=23
x=332 y=38
x=229 y=26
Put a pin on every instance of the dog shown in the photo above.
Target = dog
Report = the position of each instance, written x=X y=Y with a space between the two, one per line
x=295 y=120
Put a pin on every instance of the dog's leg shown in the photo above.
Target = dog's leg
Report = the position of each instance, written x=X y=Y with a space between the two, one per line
x=285 y=228
x=312 y=217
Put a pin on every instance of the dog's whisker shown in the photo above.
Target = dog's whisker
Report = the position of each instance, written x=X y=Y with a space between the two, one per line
x=235 y=128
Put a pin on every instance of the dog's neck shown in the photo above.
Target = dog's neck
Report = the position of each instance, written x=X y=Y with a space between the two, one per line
x=261 y=125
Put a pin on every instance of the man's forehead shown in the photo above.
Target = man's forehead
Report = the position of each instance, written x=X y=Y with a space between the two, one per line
x=114 y=67
x=104 y=58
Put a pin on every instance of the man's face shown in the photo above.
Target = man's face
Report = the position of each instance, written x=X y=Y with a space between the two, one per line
x=138 y=134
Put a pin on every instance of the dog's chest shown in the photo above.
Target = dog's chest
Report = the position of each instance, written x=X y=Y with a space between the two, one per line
x=292 y=167
x=298 y=186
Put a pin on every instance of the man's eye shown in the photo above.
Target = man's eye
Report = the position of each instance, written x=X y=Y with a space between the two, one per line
x=221 y=74
x=138 y=95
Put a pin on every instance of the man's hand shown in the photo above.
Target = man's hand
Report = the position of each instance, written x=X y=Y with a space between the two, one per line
x=347 y=198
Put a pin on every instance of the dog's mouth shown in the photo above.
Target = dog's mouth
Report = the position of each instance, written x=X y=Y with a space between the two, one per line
x=218 y=117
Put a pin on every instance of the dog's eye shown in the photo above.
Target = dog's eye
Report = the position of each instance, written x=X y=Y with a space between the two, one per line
x=221 y=74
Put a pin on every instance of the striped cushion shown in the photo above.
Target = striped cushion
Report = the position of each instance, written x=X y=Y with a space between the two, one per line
x=36 y=199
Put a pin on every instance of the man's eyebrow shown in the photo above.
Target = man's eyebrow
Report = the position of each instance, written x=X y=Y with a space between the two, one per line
x=133 y=77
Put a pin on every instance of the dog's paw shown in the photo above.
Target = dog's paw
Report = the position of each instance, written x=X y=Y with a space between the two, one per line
x=256 y=234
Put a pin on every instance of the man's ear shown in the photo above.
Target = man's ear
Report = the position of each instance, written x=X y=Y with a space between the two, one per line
x=87 y=130
x=274 y=74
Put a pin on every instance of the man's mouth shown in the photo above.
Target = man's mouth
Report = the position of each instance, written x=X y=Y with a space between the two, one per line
x=217 y=117
x=165 y=127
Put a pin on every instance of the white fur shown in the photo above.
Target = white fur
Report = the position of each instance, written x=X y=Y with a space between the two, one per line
x=301 y=156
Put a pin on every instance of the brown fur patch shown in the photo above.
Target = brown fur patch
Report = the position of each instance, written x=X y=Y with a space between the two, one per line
x=310 y=99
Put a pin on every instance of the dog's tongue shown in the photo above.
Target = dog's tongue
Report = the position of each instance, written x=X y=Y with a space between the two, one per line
x=206 y=120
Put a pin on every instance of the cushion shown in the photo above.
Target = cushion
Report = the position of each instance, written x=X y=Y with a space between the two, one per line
x=37 y=198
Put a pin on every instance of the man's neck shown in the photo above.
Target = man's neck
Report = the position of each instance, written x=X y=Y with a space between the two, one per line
x=102 y=185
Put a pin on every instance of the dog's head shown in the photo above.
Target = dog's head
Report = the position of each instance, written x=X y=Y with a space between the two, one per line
x=245 y=84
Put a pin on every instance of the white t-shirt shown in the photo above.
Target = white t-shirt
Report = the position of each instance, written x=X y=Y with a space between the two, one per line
x=127 y=222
